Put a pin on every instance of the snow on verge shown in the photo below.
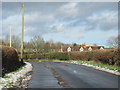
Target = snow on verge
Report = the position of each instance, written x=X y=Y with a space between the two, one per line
x=17 y=79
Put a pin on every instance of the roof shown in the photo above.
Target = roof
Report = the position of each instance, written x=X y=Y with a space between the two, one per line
x=77 y=48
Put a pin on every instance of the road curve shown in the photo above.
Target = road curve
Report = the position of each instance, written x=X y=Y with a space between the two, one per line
x=65 y=75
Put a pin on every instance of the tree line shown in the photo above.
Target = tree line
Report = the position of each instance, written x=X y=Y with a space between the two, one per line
x=38 y=45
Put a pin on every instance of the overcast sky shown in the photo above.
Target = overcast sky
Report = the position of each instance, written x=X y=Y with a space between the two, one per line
x=80 y=22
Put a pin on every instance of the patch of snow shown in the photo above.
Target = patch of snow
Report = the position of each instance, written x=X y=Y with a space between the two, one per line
x=14 y=78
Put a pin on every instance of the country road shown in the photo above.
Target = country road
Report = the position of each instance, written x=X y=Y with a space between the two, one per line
x=65 y=75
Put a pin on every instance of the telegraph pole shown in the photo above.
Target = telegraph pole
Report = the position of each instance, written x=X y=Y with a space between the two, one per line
x=10 y=34
x=22 y=40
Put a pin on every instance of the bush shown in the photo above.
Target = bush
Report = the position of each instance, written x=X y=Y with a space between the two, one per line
x=60 y=56
x=10 y=59
x=110 y=57
x=116 y=57
x=105 y=57
x=81 y=56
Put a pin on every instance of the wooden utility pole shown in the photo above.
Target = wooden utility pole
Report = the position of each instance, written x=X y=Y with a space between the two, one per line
x=22 y=40
x=10 y=34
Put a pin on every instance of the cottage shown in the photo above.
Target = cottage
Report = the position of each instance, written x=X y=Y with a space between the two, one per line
x=69 y=49
x=97 y=47
x=101 y=48
x=61 y=50
x=81 y=48
x=64 y=48
x=89 y=49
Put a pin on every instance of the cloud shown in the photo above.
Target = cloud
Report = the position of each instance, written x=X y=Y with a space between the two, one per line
x=38 y=17
x=70 y=10
x=66 y=36
x=67 y=20
x=104 y=21
x=59 y=27
x=15 y=25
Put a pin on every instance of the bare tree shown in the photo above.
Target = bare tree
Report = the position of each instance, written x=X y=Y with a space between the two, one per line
x=16 y=41
x=28 y=47
x=47 y=47
x=37 y=43
x=2 y=42
x=114 y=42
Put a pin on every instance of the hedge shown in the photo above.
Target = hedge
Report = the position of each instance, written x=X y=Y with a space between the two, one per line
x=10 y=59
x=60 y=56
x=110 y=57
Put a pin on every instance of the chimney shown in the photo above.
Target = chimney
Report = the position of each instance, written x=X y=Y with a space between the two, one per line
x=84 y=45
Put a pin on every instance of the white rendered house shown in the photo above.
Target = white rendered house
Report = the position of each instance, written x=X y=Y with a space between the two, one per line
x=69 y=49
x=101 y=48
x=90 y=49
x=81 y=49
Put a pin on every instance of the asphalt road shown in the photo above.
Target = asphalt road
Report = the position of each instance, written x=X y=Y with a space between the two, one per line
x=64 y=75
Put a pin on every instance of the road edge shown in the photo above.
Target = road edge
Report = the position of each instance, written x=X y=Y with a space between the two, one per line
x=95 y=67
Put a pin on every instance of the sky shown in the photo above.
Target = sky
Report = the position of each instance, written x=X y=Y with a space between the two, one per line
x=67 y=22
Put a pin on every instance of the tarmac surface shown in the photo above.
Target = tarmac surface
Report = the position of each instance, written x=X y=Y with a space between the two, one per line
x=65 y=75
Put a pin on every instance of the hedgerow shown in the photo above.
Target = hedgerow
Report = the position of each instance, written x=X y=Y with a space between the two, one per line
x=110 y=57
x=10 y=59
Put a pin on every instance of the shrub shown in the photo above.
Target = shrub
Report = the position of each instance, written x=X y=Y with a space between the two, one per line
x=81 y=56
x=10 y=59
x=105 y=57
x=110 y=57
x=116 y=57
x=60 y=56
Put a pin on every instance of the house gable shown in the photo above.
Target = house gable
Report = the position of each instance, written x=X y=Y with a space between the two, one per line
x=101 y=48
x=90 y=49
x=69 y=49
x=81 y=49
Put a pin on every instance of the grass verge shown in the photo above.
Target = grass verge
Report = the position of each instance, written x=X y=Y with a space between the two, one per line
x=110 y=67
